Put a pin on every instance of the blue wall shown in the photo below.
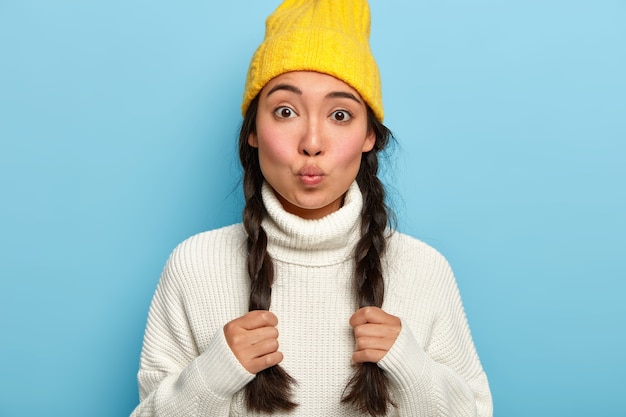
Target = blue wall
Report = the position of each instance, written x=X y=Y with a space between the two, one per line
x=117 y=140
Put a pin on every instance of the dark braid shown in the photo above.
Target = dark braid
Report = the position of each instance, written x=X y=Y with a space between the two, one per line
x=270 y=390
x=368 y=389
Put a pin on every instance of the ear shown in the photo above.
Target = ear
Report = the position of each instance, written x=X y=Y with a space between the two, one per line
x=253 y=140
x=370 y=141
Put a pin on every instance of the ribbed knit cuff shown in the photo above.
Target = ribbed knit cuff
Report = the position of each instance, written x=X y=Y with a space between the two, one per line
x=405 y=361
x=220 y=370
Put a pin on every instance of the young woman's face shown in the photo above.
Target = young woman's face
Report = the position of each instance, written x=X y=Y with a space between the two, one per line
x=311 y=130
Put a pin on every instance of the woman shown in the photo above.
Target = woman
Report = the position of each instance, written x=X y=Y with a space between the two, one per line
x=312 y=306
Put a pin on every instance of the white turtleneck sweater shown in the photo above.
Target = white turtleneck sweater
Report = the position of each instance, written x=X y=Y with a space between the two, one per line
x=187 y=368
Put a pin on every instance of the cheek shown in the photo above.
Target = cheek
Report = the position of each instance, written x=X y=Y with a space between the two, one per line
x=272 y=148
x=350 y=151
x=348 y=158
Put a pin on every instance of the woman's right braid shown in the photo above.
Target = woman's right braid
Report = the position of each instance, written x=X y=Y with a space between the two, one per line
x=270 y=390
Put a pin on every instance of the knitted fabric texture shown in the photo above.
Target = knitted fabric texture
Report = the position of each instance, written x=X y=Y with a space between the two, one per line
x=327 y=36
x=188 y=369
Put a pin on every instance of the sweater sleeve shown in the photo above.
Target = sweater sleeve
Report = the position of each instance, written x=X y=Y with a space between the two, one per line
x=174 y=378
x=445 y=377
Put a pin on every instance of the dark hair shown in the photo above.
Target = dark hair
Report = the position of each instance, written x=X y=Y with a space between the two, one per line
x=271 y=389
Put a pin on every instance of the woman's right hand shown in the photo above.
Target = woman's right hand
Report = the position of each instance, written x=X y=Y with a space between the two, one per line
x=253 y=338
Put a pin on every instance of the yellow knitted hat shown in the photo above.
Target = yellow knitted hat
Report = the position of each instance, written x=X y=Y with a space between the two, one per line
x=327 y=36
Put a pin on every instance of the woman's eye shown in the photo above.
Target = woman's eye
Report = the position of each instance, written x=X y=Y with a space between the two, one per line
x=341 y=116
x=284 y=112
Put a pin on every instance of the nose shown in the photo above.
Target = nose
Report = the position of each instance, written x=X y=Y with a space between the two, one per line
x=312 y=143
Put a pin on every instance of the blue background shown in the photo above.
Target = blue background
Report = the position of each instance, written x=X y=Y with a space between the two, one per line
x=118 y=124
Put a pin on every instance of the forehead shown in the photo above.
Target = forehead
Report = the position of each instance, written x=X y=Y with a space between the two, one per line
x=310 y=82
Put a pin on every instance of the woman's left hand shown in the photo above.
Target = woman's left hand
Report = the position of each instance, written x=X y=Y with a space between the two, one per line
x=374 y=331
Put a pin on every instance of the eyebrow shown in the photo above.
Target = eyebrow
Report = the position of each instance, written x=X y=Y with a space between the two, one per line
x=287 y=87
x=296 y=90
x=343 y=94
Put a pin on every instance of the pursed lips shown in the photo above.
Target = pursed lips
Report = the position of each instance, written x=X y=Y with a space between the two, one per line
x=311 y=175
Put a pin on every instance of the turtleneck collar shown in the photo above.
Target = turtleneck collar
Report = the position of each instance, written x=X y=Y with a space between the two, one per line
x=326 y=241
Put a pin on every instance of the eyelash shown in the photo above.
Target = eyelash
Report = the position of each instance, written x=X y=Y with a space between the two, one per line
x=279 y=110
x=347 y=115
